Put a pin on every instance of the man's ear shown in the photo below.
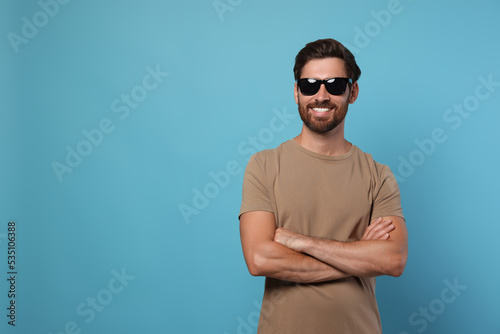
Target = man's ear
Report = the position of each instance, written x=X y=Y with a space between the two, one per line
x=296 y=92
x=353 y=95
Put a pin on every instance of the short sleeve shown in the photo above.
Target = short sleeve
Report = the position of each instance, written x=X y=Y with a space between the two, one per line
x=387 y=201
x=255 y=196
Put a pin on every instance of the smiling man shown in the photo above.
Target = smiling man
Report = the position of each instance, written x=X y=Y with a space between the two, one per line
x=319 y=218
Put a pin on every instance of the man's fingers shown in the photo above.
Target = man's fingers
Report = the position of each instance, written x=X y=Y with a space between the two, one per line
x=372 y=225
x=378 y=229
x=379 y=221
x=383 y=231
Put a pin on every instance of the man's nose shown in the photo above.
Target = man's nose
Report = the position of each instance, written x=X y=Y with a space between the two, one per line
x=322 y=94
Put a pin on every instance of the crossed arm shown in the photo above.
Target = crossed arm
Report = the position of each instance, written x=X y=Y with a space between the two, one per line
x=289 y=256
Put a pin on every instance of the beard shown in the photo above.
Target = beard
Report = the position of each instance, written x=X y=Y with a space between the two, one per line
x=322 y=124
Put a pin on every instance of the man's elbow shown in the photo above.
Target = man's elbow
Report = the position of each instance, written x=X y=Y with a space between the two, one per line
x=254 y=271
x=253 y=268
x=398 y=269
x=398 y=265
x=256 y=264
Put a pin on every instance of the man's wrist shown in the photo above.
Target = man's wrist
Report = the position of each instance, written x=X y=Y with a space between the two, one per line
x=307 y=244
x=317 y=247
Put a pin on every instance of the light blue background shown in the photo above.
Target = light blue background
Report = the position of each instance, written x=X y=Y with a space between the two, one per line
x=119 y=208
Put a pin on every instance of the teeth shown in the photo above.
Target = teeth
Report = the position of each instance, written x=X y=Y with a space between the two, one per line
x=321 y=109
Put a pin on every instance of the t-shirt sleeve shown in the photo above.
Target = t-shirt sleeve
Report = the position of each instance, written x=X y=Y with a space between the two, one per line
x=387 y=201
x=255 y=196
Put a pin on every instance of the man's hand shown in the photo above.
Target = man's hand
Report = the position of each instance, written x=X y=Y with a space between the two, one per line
x=290 y=239
x=378 y=229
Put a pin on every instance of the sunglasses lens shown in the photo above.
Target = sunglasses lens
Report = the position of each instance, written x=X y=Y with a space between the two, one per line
x=309 y=86
x=336 y=86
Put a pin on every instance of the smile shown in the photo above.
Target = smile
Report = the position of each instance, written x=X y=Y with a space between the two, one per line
x=321 y=109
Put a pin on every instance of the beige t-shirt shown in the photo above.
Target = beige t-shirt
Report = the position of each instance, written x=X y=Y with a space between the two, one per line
x=332 y=197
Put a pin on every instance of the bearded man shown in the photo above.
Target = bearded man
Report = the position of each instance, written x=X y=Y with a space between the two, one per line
x=319 y=218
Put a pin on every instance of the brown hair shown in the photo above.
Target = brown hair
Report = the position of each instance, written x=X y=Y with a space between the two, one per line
x=326 y=48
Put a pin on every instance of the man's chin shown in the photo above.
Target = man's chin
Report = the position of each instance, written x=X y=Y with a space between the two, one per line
x=321 y=127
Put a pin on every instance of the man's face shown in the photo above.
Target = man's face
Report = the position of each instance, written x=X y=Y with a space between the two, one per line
x=323 y=112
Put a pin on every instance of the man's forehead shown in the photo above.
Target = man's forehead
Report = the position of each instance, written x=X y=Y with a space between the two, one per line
x=324 y=68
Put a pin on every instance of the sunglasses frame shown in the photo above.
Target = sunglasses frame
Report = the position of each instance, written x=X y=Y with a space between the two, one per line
x=325 y=82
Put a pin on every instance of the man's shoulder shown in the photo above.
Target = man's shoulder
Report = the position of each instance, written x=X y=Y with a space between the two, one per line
x=267 y=162
x=271 y=153
x=375 y=166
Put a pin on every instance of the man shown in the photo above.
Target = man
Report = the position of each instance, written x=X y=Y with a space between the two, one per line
x=319 y=217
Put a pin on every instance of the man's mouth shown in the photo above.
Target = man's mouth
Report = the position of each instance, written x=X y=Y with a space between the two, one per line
x=321 y=111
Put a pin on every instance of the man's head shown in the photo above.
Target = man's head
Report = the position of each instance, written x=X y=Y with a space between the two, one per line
x=326 y=48
x=323 y=107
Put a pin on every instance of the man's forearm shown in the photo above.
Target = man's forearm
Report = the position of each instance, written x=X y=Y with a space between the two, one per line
x=277 y=261
x=266 y=257
x=359 y=258
x=367 y=257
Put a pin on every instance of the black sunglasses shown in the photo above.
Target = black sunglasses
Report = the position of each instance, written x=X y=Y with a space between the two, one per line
x=334 y=86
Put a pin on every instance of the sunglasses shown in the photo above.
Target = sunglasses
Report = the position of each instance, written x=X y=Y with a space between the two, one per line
x=334 y=86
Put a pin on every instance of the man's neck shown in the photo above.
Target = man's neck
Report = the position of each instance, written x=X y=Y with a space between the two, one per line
x=331 y=143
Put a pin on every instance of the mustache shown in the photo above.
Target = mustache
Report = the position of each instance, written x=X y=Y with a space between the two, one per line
x=323 y=104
